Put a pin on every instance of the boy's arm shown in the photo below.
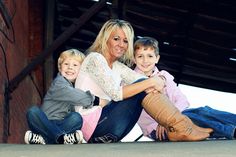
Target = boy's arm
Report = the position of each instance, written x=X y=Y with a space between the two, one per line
x=99 y=101
x=62 y=90
x=103 y=102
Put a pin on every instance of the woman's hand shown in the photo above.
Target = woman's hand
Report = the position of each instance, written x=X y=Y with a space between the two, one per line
x=161 y=133
x=158 y=84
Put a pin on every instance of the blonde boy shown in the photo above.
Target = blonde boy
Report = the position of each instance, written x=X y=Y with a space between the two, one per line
x=56 y=122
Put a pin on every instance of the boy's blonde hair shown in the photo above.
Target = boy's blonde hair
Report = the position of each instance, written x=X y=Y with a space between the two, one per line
x=72 y=53
x=146 y=42
x=100 y=43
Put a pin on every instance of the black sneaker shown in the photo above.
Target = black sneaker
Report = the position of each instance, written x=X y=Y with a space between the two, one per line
x=32 y=138
x=73 y=138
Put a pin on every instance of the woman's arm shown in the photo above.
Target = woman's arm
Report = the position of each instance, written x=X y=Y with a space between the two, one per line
x=129 y=76
x=155 y=82
x=109 y=81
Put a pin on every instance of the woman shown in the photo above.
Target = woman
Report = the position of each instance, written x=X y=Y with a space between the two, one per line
x=128 y=92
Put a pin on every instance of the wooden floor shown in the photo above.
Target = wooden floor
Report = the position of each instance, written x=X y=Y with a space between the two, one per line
x=218 y=148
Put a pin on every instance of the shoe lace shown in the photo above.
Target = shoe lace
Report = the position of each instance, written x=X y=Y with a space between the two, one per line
x=70 y=139
x=37 y=139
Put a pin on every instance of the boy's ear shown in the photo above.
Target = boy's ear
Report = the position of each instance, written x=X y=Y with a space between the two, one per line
x=158 y=57
x=59 y=68
x=134 y=60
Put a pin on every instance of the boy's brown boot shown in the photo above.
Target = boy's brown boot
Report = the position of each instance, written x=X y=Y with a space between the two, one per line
x=179 y=127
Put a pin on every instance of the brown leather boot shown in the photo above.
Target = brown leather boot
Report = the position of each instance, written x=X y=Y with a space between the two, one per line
x=207 y=130
x=179 y=127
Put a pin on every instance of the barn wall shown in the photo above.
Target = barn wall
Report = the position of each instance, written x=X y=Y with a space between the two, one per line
x=24 y=43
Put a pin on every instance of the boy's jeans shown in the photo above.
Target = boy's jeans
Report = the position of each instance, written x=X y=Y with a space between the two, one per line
x=51 y=130
x=223 y=123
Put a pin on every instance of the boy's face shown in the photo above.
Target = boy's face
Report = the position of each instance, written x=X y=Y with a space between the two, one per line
x=70 y=69
x=145 y=60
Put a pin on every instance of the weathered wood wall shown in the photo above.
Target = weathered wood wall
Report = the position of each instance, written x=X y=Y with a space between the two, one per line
x=20 y=42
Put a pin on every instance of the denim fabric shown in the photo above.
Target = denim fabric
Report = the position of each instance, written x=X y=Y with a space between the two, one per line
x=51 y=130
x=223 y=123
x=117 y=119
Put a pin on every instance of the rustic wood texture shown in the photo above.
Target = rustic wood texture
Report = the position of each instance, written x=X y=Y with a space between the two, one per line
x=196 y=37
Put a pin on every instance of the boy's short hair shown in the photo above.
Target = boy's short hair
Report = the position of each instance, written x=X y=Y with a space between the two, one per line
x=146 y=42
x=74 y=53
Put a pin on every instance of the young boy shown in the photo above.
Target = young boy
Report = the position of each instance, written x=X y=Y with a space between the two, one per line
x=146 y=54
x=56 y=121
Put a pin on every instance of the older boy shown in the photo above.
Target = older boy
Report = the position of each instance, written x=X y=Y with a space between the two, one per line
x=146 y=53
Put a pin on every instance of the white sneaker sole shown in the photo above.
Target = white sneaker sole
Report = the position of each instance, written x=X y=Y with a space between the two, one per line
x=26 y=138
x=80 y=136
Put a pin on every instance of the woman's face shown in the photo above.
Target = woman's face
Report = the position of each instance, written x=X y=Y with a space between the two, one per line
x=117 y=44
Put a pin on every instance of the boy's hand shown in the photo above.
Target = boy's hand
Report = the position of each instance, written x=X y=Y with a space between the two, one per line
x=161 y=133
x=103 y=102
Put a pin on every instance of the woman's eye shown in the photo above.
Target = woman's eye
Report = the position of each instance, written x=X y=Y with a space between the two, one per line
x=116 y=38
x=126 y=41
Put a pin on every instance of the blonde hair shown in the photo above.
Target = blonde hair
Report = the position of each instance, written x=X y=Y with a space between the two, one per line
x=146 y=42
x=73 y=53
x=100 y=43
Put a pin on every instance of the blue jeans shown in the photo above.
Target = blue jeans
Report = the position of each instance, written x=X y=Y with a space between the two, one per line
x=223 y=123
x=51 y=130
x=117 y=119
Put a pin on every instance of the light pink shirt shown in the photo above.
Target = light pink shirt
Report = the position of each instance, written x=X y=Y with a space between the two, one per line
x=147 y=123
x=90 y=120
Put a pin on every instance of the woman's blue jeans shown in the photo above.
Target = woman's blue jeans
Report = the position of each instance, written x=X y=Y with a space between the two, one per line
x=118 y=119
x=51 y=130
x=223 y=123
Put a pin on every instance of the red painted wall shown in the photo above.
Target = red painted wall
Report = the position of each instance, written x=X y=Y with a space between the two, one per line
x=26 y=41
